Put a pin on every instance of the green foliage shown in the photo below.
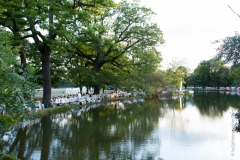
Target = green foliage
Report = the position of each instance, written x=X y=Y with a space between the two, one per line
x=176 y=72
x=116 y=46
x=7 y=121
x=212 y=73
x=235 y=75
x=94 y=45
x=8 y=156
x=47 y=24
x=229 y=49
x=186 y=93
x=154 y=83
x=16 y=85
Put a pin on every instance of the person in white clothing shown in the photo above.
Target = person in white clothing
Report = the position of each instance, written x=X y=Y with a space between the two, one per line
x=71 y=99
x=55 y=101
x=61 y=101
x=58 y=101
x=64 y=100
x=67 y=100
x=79 y=96
x=75 y=98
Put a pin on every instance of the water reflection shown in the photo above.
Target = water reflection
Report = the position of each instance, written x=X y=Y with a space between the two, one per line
x=214 y=104
x=194 y=127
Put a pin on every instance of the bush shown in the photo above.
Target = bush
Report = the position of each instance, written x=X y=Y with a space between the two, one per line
x=186 y=92
x=7 y=156
x=6 y=121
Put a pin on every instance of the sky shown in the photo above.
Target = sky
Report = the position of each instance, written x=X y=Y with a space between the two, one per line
x=190 y=26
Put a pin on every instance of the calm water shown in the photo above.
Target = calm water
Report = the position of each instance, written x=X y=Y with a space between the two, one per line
x=198 y=127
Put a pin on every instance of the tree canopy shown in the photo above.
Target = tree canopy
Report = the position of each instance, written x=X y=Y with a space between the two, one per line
x=211 y=73
x=122 y=40
x=89 y=43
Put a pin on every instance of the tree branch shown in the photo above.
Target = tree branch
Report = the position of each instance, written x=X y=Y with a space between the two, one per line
x=234 y=12
x=69 y=60
x=80 y=53
x=27 y=36
x=120 y=35
x=40 y=35
x=27 y=29
x=119 y=55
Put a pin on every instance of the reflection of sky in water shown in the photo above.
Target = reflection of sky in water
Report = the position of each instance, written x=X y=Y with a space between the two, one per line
x=36 y=155
x=185 y=134
x=180 y=134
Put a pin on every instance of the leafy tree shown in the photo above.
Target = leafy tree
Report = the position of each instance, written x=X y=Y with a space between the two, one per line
x=235 y=75
x=122 y=39
x=176 y=72
x=155 y=83
x=212 y=73
x=219 y=74
x=229 y=49
x=45 y=23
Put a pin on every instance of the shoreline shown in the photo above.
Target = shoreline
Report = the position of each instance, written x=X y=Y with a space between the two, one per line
x=64 y=108
x=35 y=117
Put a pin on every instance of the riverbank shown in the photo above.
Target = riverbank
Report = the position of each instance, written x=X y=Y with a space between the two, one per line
x=36 y=117
x=10 y=121
x=64 y=108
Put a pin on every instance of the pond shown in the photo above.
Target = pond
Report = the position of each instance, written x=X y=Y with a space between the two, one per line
x=198 y=127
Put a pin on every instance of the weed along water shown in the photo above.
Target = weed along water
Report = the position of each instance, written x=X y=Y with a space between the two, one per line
x=198 y=127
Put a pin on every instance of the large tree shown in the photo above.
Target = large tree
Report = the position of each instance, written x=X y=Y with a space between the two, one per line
x=44 y=22
x=229 y=51
x=123 y=39
x=212 y=73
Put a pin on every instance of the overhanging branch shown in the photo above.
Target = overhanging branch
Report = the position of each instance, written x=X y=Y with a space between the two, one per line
x=79 y=52
x=234 y=12
x=27 y=36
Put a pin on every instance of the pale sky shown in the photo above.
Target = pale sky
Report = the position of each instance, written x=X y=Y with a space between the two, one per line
x=189 y=27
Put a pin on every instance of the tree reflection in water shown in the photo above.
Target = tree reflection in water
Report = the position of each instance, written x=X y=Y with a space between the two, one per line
x=116 y=130
x=214 y=104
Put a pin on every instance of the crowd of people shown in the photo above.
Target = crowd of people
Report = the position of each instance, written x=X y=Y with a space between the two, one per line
x=79 y=99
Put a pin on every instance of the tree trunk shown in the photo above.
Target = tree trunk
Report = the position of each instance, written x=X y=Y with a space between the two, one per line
x=46 y=75
x=96 y=89
x=23 y=58
x=80 y=89
x=97 y=70
x=46 y=134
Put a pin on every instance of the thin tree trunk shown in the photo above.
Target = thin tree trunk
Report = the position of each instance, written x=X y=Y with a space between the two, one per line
x=23 y=58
